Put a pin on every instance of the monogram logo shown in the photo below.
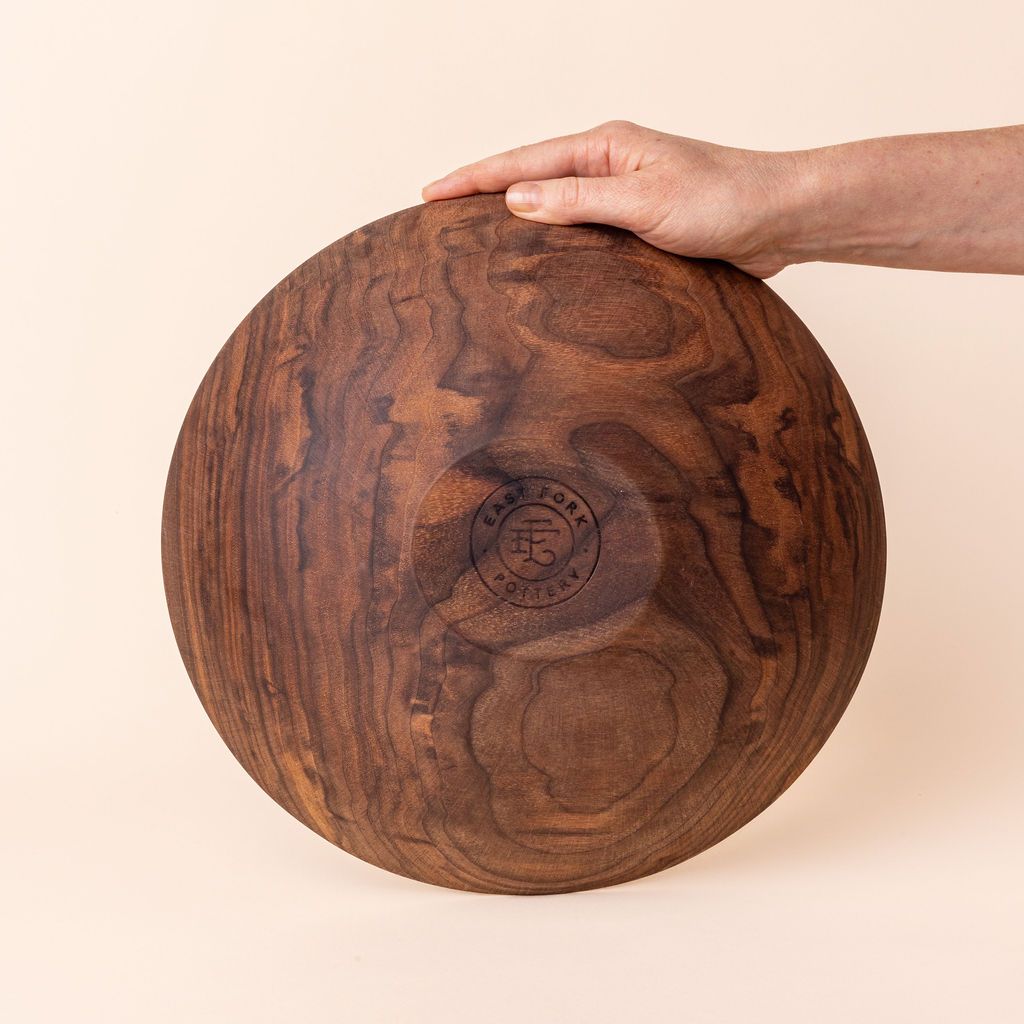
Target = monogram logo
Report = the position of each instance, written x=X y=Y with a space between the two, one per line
x=535 y=542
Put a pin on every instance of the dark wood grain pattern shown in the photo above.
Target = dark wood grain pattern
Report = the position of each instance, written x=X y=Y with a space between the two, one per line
x=522 y=558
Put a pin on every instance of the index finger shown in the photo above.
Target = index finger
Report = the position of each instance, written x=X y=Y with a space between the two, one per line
x=581 y=153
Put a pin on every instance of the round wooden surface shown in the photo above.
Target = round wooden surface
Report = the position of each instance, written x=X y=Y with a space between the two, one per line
x=521 y=558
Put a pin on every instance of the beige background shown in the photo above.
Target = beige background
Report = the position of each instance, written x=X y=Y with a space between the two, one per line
x=163 y=166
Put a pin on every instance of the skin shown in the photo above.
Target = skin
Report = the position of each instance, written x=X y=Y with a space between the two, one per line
x=942 y=201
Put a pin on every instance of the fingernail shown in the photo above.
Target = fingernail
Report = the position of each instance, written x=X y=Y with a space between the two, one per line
x=524 y=197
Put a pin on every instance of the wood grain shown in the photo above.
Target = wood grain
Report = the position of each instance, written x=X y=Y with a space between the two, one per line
x=412 y=642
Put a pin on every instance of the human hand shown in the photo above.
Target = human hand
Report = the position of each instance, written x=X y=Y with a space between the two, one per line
x=939 y=201
x=688 y=197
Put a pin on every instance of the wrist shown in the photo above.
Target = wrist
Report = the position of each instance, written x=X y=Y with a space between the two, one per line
x=802 y=219
x=781 y=210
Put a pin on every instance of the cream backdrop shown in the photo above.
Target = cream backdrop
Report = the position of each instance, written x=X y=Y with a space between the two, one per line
x=163 y=166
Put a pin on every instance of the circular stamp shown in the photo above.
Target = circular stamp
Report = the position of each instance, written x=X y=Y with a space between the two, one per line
x=535 y=542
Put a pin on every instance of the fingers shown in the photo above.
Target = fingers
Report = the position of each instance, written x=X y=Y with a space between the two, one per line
x=621 y=201
x=583 y=153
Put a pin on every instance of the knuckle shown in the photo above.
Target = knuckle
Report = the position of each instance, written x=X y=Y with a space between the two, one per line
x=596 y=153
x=649 y=201
x=571 y=193
x=618 y=126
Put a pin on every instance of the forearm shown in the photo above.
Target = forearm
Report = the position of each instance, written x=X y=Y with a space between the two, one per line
x=944 y=201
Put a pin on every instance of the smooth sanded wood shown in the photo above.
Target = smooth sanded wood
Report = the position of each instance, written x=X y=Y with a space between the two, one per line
x=521 y=558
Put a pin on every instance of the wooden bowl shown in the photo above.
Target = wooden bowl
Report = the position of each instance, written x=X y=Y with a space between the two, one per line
x=522 y=558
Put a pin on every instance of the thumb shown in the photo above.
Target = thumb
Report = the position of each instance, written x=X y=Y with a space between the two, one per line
x=614 y=200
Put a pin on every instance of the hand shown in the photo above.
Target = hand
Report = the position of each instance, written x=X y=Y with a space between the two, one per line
x=688 y=197
x=938 y=201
